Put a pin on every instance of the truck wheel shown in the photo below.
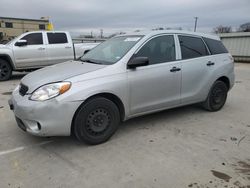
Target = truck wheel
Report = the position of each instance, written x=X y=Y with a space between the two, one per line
x=5 y=70
x=216 y=97
x=96 y=121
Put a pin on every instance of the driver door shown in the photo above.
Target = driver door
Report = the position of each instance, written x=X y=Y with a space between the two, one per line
x=33 y=54
x=157 y=85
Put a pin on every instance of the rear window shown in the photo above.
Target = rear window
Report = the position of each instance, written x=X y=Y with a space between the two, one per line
x=192 y=47
x=215 y=46
x=57 y=38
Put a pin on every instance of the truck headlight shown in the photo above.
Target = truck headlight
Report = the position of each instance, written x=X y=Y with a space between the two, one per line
x=49 y=91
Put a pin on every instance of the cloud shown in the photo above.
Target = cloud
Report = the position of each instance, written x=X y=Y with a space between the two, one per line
x=117 y=15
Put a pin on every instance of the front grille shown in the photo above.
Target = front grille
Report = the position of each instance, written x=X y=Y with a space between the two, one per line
x=23 y=89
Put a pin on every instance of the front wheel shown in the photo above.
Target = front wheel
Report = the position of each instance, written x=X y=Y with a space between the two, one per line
x=96 y=121
x=216 y=97
x=5 y=70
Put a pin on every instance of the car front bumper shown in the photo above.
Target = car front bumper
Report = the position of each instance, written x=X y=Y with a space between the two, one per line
x=47 y=118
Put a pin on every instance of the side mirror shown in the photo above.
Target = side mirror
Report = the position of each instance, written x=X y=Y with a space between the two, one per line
x=86 y=51
x=137 y=62
x=21 y=43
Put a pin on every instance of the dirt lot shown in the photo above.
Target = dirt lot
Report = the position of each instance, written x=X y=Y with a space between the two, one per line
x=183 y=147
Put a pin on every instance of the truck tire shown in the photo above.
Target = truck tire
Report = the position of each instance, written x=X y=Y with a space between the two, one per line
x=216 y=97
x=5 y=70
x=96 y=121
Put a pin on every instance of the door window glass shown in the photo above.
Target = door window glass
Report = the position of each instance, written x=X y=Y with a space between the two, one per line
x=159 y=50
x=33 y=38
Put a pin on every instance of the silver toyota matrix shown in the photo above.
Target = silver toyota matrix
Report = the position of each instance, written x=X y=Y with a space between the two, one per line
x=124 y=77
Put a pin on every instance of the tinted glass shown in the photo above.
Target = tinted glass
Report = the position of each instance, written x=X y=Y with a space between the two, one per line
x=215 y=46
x=34 y=38
x=158 y=50
x=42 y=26
x=112 y=50
x=57 y=38
x=192 y=47
x=8 y=24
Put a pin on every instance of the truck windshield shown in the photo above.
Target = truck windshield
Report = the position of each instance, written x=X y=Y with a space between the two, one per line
x=111 y=51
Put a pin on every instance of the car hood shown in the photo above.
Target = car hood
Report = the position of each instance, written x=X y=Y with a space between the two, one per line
x=56 y=73
x=2 y=46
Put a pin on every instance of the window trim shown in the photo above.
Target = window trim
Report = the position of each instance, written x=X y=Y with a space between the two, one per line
x=196 y=36
x=152 y=37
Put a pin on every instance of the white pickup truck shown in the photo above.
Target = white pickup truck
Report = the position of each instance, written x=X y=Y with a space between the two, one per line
x=33 y=50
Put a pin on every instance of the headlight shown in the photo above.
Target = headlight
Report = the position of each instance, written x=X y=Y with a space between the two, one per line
x=50 y=91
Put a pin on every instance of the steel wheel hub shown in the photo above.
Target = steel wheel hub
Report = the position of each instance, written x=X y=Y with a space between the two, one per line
x=98 y=121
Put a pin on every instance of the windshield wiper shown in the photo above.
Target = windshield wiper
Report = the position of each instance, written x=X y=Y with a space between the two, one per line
x=90 y=61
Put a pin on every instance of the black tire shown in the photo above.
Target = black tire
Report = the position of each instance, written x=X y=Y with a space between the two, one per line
x=5 y=70
x=216 y=97
x=96 y=121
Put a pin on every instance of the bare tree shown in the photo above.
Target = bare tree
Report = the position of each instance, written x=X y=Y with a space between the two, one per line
x=244 y=27
x=223 y=29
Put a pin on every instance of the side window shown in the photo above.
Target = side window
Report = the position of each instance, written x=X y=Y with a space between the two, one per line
x=215 y=46
x=57 y=38
x=33 y=38
x=8 y=25
x=192 y=47
x=41 y=26
x=159 y=50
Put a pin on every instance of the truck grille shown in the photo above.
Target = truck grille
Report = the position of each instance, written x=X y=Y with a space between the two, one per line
x=23 y=89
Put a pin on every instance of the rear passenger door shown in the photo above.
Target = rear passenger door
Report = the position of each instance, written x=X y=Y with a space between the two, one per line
x=157 y=85
x=197 y=68
x=59 y=48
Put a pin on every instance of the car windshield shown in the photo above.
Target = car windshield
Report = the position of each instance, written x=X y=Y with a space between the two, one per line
x=111 y=51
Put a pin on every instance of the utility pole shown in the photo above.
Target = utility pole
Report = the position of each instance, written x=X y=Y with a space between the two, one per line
x=101 y=33
x=195 y=24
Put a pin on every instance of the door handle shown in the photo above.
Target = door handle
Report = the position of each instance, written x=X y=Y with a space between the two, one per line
x=41 y=48
x=210 y=63
x=67 y=47
x=175 y=69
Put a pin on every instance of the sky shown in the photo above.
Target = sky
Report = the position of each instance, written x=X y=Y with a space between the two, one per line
x=84 y=16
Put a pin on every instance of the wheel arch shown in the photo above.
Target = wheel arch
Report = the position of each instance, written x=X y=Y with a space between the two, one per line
x=225 y=80
x=8 y=59
x=110 y=96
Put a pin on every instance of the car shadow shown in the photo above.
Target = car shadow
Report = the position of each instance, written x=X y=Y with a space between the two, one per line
x=126 y=128
x=18 y=76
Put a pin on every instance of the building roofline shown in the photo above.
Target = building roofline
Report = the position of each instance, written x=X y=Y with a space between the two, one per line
x=234 y=34
x=26 y=19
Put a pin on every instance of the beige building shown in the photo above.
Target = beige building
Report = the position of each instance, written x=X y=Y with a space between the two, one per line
x=12 y=27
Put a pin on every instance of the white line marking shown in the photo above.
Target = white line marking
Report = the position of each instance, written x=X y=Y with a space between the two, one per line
x=23 y=147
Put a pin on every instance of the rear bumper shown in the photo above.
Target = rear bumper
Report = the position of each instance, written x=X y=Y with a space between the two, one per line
x=47 y=118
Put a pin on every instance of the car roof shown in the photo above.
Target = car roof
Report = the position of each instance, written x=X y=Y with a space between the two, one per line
x=183 y=32
x=46 y=31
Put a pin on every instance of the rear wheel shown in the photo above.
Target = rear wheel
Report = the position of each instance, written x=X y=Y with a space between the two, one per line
x=216 y=97
x=5 y=70
x=96 y=121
